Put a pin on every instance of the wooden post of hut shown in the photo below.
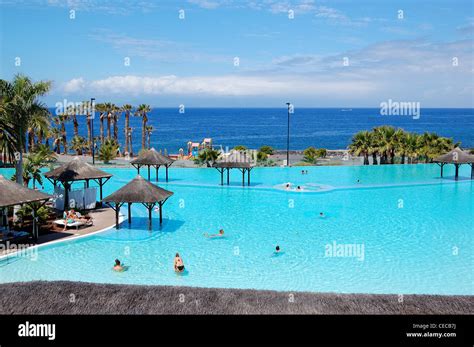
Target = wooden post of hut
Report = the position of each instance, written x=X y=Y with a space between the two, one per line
x=140 y=191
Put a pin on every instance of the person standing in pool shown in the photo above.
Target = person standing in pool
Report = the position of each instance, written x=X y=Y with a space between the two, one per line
x=178 y=264
x=118 y=266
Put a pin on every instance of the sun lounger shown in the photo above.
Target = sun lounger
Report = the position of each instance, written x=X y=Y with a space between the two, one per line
x=75 y=224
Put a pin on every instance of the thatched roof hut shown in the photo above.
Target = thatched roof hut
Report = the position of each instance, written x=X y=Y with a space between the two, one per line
x=151 y=158
x=457 y=157
x=140 y=191
x=242 y=163
x=77 y=170
x=12 y=193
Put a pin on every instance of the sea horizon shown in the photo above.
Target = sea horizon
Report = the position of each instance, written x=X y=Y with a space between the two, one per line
x=321 y=127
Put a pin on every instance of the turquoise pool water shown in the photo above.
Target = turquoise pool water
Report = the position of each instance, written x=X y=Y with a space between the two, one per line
x=402 y=229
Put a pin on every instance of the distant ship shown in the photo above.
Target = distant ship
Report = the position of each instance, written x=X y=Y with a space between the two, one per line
x=346 y=110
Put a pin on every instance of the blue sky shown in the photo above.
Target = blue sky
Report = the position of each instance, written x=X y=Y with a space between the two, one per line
x=191 y=61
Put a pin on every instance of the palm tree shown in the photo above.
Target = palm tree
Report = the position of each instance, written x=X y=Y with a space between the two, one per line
x=142 y=111
x=8 y=140
x=78 y=144
x=149 y=130
x=127 y=109
x=361 y=145
x=385 y=143
x=399 y=140
x=20 y=100
x=108 y=111
x=56 y=136
x=411 y=147
x=115 y=118
x=38 y=124
x=86 y=105
x=62 y=119
x=72 y=113
x=102 y=112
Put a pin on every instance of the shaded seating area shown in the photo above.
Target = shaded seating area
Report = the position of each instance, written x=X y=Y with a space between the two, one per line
x=151 y=158
x=457 y=157
x=12 y=194
x=139 y=191
x=243 y=167
x=74 y=171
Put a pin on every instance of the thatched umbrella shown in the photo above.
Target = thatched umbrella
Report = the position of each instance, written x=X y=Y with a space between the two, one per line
x=140 y=191
x=77 y=170
x=242 y=166
x=12 y=194
x=151 y=158
x=457 y=157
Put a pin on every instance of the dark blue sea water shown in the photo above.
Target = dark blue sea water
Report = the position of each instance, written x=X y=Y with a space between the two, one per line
x=330 y=128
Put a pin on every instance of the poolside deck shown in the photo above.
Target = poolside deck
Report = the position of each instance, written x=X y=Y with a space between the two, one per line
x=103 y=218
x=91 y=298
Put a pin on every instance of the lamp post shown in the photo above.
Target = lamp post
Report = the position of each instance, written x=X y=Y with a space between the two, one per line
x=288 y=137
x=92 y=130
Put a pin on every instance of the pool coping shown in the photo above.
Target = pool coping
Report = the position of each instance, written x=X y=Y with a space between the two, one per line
x=65 y=239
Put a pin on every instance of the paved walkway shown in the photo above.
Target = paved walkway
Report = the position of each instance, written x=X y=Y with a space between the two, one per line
x=20 y=298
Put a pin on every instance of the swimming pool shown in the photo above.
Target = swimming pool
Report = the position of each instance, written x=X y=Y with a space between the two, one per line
x=400 y=230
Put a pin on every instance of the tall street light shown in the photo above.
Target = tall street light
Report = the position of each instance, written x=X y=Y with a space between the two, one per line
x=288 y=137
x=92 y=130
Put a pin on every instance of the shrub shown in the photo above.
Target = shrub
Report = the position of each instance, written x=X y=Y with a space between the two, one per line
x=268 y=150
x=240 y=148
x=310 y=155
x=108 y=151
x=321 y=152
x=207 y=156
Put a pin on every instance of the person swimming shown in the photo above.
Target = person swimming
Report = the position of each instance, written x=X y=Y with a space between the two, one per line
x=321 y=215
x=277 y=249
x=118 y=266
x=221 y=233
x=299 y=188
x=288 y=186
x=178 y=264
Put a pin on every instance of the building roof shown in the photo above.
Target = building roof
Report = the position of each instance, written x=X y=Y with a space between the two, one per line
x=139 y=190
x=151 y=157
x=12 y=193
x=455 y=156
x=76 y=170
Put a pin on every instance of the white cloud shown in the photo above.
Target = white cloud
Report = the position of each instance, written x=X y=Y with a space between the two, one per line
x=75 y=85
x=228 y=85
x=207 y=4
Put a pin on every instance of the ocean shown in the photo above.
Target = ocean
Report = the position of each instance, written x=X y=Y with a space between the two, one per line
x=330 y=128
